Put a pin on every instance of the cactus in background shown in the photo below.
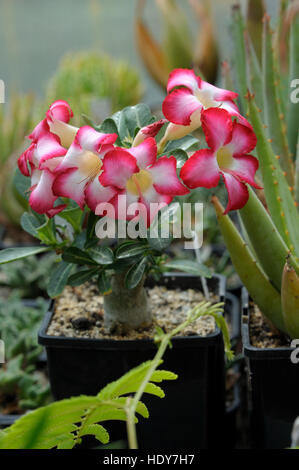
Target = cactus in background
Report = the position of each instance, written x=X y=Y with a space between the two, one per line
x=266 y=257
x=16 y=120
x=94 y=84
x=179 y=49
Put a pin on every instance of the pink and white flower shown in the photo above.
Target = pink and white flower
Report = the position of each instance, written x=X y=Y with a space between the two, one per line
x=137 y=174
x=148 y=131
x=57 y=170
x=77 y=176
x=227 y=156
x=188 y=96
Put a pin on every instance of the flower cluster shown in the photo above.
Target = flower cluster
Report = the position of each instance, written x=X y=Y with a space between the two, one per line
x=192 y=103
x=88 y=167
x=84 y=165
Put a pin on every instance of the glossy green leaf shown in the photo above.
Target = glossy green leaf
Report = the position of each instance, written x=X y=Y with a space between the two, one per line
x=59 y=278
x=82 y=276
x=76 y=256
x=101 y=254
x=11 y=254
x=135 y=274
x=188 y=266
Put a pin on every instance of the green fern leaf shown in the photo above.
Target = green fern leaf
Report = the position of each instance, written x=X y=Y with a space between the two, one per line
x=98 y=431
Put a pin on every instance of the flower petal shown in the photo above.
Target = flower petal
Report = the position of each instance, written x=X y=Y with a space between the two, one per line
x=244 y=168
x=55 y=210
x=154 y=202
x=71 y=183
x=183 y=77
x=179 y=105
x=148 y=131
x=177 y=131
x=24 y=159
x=201 y=170
x=64 y=131
x=217 y=126
x=165 y=180
x=243 y=140
x=219 y=94
x=118 y=165
x=42 y=198
x=39 y=130
x=59 y=110
x=47 y=147
x=89 y=139
x=145 y=153
x=237 y=192
x=95 y=193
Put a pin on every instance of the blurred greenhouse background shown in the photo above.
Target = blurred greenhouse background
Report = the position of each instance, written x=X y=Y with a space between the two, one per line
x=35 y=34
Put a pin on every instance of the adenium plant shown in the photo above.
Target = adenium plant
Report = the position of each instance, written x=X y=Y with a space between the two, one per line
x=129 y=169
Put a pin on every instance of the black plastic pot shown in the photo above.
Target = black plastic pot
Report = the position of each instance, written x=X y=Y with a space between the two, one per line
x=273 y=389
x=192 y=413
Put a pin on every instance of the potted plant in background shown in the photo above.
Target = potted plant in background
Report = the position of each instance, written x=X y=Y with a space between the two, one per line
x=117 y=171
x=266 y=256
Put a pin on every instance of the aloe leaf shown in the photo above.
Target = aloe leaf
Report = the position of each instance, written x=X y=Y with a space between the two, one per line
x=277 y=191
x=240 y=65
x=258 y=285
x=290 y=300
x=254 y=73
x=274 y=117
x=293 y=107
x=268 y=245
x=297 y=173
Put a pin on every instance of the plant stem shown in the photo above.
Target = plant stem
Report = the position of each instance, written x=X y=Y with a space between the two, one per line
x=202 y=309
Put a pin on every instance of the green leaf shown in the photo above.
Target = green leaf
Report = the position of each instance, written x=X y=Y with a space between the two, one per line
x=22 y=184
x=102 y=254
x=189 y=266
x=76 y=256
x=30 y=223
x=258 y=285
x=46 y=233
x=58 y=279
x=131 y=118
x=156 y=242
x=91 y=223
x=108 y=126
x=277 y=191
x=268 y=245
x=273 y=113
x=127 y=250
x=135 y=274
x=293 y=108
x=185 y=143
x=82 y=276
x=74 y=217
x=11 y=254
x=96 y=430
x=104 y=284
x=240 y=65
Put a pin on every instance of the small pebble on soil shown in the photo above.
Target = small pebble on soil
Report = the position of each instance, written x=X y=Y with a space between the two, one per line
x=79 y=313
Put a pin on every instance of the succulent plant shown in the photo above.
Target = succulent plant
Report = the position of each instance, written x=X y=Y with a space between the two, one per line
x=94 y=84
x=266 y=257
x=179 y=47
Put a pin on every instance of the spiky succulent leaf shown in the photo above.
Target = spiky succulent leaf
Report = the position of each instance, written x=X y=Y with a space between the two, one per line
x=252 y=276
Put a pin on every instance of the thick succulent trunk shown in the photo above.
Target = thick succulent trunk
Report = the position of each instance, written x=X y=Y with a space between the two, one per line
x=126 y=309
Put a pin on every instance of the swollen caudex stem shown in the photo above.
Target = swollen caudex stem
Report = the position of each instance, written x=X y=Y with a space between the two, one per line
x=126 y=309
